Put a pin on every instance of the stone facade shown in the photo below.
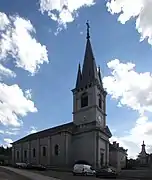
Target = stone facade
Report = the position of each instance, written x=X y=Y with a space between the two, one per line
x=64 y=148
x=117 y=156
x=86 y=138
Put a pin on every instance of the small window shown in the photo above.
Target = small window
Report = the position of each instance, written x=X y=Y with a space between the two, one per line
x=25 y=154
x=100 y=101
x=44 y=151
x=34 y=153
x=84 y=100
x=18 y=155
x=56 y=150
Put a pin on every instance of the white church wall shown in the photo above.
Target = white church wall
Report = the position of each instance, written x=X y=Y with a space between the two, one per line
x=18 y=150
x=60 y=140
x=25 y=152
x=35 y=145
x=43 y=144
x=83 y=147
x=102 y=149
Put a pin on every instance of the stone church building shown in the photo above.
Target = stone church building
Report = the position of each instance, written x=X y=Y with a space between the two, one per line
x=143 y=157
x=85 y=138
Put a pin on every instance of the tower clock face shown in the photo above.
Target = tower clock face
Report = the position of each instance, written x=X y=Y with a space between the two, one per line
x=99 y=119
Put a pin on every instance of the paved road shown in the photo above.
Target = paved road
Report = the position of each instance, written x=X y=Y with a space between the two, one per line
x=64 y=175
x=145 y=174
x=67 y=176
x=9 y=175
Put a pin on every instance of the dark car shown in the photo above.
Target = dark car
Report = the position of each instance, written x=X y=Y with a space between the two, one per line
x=105 y=173
x=36 y=167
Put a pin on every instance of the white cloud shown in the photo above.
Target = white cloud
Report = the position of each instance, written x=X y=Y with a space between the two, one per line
x=32 y=130
x=16 y=40
x=17 y=43
x=133 y=90
x=4 y=21
x=15 y=128
x=13 y=105
x=7 y=142
x=6 y=72
x=28 y=93
x=63 y=11
x=12 y=131
x=138 y=9
x=1 y=131
x=9 y=132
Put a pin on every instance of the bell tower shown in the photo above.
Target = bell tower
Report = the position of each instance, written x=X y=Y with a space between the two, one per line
x=89 y=96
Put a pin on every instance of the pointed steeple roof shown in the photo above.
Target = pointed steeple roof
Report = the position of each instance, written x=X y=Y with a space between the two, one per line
x=79 y=77
x=143 y=147
x=89 y=70
x=143 y=150
x=99 y=76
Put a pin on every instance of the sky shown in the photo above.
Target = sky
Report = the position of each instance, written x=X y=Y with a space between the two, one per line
x=41 y=44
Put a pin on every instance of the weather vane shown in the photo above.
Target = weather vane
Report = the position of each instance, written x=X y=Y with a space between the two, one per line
x=88 y=27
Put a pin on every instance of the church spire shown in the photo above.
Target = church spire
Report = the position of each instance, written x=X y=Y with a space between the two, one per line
x=89 y=70
x=79 y=77
x=99 y=74
x=143 y=150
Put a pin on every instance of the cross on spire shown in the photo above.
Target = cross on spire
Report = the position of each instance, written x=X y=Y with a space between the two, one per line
x=88 y=27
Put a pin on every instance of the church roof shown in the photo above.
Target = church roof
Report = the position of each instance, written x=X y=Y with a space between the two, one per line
x=46 y=132
x=69 y=127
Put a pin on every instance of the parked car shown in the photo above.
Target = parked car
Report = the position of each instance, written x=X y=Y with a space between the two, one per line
x=35 y=167
x=106 y=173
x=21 y=165
x=83 y=169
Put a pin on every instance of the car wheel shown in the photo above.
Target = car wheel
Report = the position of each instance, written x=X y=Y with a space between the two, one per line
x=74 y=174
x=85 y=173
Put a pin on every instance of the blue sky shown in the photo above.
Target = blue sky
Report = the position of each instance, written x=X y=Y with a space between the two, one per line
x=54 y=46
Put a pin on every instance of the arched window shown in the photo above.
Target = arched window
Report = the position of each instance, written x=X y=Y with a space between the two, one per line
x=56 y=150
x=34 y=152
x=84 y=100
x=25 y=154
x=18 y=154
x=99 y=101
x=44 y=151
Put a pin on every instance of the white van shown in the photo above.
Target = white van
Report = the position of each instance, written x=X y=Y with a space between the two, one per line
x=82 y=169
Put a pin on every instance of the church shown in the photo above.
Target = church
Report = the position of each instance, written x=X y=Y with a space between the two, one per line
x=143 y=157
x=85 y=138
